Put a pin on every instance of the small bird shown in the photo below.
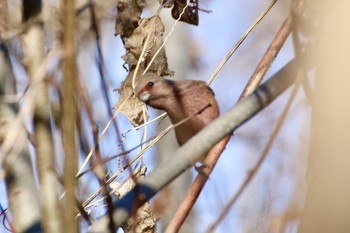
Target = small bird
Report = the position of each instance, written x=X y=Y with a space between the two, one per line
x=180 y=99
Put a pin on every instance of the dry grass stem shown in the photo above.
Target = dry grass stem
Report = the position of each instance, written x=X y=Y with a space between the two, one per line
x=88 y=157
x=262 y=158
x=240 y=41
x=212 y=157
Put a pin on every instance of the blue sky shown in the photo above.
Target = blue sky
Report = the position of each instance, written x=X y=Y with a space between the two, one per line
x=273 y=189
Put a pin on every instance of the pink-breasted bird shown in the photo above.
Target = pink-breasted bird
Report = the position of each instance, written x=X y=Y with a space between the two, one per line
x=180 y=99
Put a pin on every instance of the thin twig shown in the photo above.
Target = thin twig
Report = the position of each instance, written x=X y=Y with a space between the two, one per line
x=3 y=212
x=186 y=155
x=88 y=157
x=9 y=35
x=133 y=86
x=213 y=155
x=100 y=170
x=140 y=60
x=166 y=38
x=102 y=69
x=269 y=56
x=28 y=106
x=240 y=41
x=262 y=158
x=146 y=123
x=193 y=192
x=153 y=141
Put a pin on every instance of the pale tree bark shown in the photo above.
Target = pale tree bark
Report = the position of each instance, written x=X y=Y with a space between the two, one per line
x=34 y=49
x=327 y=207
x=19 y=176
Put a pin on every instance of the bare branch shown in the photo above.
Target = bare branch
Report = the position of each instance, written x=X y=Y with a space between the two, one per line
x=240 y=41
x=212 y=157
x=34 y=47
x=190 y=152
x=69 y=113
x=262 y=158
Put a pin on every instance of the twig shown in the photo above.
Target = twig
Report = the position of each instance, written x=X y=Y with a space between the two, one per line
x=9 y=35
x=146 y=123
x=136 y=157
x=100 y=170
x=212 y=157
x=88 y=157
x=140 y=60
x=3 y=214
x=193 y=192
x=240 y=41
x=69 y=114
x=102 y=69
x=166 y=38
x=262 y=158
x=27 y=108
x=190 y=152
x=269 y=56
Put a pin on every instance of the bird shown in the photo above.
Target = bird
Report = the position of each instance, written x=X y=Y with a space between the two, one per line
x=180 y=99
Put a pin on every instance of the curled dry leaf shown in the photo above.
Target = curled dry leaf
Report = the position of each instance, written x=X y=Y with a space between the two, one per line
x=144 y=37
x=128 y=16
x=190 y=14
x=132 y=109
x=166 y=3
x=154 y=28
x=144 y=220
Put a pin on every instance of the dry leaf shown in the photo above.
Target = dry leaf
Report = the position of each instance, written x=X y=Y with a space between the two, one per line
x=191 y=12
x=133 y=107
x=128 y=16
x=143 y=221
x=154 y=28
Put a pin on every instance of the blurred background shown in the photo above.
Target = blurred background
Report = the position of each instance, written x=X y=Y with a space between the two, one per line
x=275 y=198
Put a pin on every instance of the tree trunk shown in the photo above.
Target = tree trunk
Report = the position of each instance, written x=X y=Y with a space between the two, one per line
x=327 y=207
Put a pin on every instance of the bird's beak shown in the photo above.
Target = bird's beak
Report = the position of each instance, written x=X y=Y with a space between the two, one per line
x=144 y=96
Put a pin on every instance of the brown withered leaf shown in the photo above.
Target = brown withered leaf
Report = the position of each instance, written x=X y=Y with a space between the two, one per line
x=143 y=220
x=154 y=28
x=166 y=3
x=128 y=16
x=135 y=43
x=133 y=107
x=190 y=15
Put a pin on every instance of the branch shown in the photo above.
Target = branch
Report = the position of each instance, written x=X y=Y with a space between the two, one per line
x=19 y=175
x=262 y=158
x=214 y=154
x=190 y=152
x=34 y=48
x=69 y=114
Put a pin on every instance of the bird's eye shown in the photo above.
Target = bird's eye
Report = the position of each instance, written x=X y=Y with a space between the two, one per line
x=150 y=84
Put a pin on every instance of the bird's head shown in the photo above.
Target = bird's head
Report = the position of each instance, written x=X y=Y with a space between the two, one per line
x=152 y=88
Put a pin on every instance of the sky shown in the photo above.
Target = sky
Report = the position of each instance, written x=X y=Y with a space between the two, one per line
x=273 y=190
